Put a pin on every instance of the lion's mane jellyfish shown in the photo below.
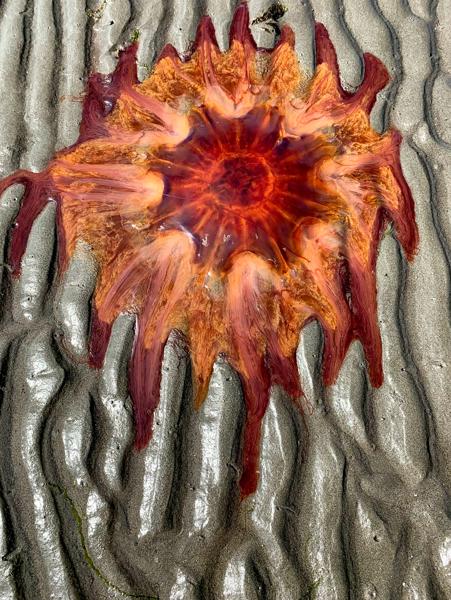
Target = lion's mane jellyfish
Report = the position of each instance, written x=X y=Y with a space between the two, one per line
x=233 y=199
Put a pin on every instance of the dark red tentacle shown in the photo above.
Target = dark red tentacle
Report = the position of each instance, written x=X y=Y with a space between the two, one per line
x=256 y=389
x=325 y=50
x=103 y=92
x=287 y=36
x=239 y=28
x=205 y=33
x=168 y=52
x=99 y=338
x=404 y=217
x=375 y=79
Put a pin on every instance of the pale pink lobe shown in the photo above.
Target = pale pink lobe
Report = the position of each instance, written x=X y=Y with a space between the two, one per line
x=172 y=271
x=125 y=195
x=252 y=288
x=246 y=315
x=319 y=243
x=132 y=274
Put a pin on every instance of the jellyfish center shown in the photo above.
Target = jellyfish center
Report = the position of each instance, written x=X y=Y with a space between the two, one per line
x=241 y=180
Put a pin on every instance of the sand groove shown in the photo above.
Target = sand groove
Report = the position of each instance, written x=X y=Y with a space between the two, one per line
x=353 y=506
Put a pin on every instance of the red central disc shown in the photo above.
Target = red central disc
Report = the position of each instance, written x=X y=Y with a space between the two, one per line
x=242 y=180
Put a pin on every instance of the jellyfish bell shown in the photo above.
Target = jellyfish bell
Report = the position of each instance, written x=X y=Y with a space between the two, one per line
x=230 y=199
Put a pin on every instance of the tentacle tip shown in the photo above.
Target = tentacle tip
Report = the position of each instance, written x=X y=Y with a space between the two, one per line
x=205 y=33
x=142 y=436
x=200 y=393
x=377 y=380
x=248 y=484
x=139 y=445
x=239 y=29
x=375 y=79
x=331 y=368
x=293 y=389
x=411 y=250
x=374 y=65
x=125 y=72
x=94 y=362
x=17 y=250
x=287 y=36
x=129 y=51
x=168 y=52
x=376 y=73
x=325 y=50
x=376 y=374
x=411 y=245
x=99 y=339
x=242 y=10
x=321 y=33
x=396 y=137
x=328 y=379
